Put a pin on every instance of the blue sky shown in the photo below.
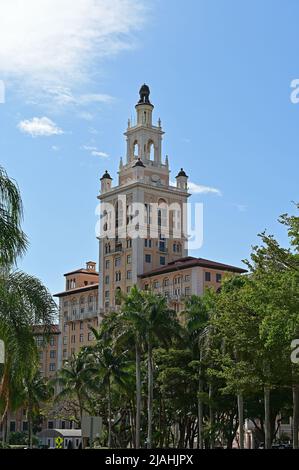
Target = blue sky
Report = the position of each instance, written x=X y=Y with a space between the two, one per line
x=219 y=73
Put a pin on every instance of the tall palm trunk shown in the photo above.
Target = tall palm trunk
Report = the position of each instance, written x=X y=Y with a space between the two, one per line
x=30 y=428
x=150 y=396
x=109 y=415
x=241 y=419
x=211 y=415
x=138 y=395
x=267 y=418
x=295 y=415
x=200 y=411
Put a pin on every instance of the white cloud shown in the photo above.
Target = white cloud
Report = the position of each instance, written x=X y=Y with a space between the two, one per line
x=89 y=147
x=86 y=116
x=96 y=153
x=241 y=207
x=56 y=42
x=39 y=127
x=55 y=148
x=200 y=189
x=63 y=96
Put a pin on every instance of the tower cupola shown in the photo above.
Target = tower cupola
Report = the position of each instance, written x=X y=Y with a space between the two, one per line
x=182 y=180
x=106 y=182
x=144 y=107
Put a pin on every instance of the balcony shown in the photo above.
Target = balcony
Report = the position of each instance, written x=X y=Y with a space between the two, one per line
x=118 y=248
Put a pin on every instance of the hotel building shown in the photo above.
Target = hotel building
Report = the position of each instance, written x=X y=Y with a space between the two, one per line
x=142 y=238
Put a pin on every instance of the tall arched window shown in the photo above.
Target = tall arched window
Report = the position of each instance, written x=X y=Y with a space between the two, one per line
x=136 y=149
x=151 y=150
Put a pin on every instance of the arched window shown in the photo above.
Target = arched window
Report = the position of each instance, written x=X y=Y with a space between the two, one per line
x=150 y=150
x=136 y=149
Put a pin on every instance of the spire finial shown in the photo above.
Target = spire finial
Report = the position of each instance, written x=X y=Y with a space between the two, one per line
x=144 y=94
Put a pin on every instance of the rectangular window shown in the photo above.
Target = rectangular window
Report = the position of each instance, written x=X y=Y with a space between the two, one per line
x=128 y=289
x=162 y=244
x=148 y=258
x=64 y=353
x=12 y=426
x=73 y=326
x=187 y=278
x=25 y=426
x=118 y=276
x=40 y=341
x=90 y=336
x=107 y=264
x=129 y=274
x=73 y=339
x=129 y=259
x=187 y=291
x=52 y=341
x=218 y=277
x=156 y=284
x=148 y=214
x=65 y=340
x=52 y=367
x=107 y=294
x=50 y=425
x=162 y=260
x=117 y=262
x=207 y=276
x=107 y=279
x=52 y=354
x=81 y=338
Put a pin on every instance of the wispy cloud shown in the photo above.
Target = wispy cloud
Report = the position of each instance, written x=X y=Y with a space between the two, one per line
x=240 y=207
x=200 y=189
x=55 y=41
x=39 y=127
x=95 y=152
x=62 y=96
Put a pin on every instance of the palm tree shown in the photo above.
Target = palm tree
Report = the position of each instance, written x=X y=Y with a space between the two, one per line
x=112 y=369
x=24 y=302
x=76 y=380
x=132 y=330
x=36 y=392
x=196 y=318
x=13 y=241
x=160 y=325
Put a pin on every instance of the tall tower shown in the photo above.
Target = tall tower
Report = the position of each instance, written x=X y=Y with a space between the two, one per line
x=143 y=226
